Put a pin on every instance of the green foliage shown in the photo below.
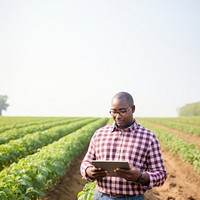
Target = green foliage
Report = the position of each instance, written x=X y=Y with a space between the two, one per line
x=19 y=148
x=88 y=191
x=188 y=125
x=17 y=132
x=3 y=104
x=192 y=109
x=32 y=176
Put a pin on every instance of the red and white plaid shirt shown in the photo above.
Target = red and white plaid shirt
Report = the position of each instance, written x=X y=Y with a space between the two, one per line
x=137 y=145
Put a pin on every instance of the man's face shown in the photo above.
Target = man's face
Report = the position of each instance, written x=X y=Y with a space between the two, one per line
x=122 y=112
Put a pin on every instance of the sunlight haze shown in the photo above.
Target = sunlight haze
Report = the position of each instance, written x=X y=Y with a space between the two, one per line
x=69 y=58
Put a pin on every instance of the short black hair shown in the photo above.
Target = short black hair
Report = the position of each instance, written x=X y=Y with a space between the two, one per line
x=125 y=95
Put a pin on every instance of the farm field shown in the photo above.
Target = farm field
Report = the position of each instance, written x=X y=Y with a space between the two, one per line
x=37 y=152
x=40 y=157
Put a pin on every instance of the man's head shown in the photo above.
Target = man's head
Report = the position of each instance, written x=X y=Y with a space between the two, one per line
x=122 y=109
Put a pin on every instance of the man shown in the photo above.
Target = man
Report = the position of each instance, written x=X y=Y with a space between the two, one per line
x=125 y=140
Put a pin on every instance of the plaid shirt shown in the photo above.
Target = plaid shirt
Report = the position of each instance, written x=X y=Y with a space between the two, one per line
x=137 y=145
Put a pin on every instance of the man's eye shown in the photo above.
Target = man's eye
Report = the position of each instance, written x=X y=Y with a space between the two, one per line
x=122 y=111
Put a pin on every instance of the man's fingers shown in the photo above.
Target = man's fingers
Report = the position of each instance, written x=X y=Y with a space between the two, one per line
x=98 y=173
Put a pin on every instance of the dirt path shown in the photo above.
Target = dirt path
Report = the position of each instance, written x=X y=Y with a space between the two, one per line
x=182 y=183
x=69 y=186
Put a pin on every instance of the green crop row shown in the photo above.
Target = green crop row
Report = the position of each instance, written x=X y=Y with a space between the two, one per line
x=33 y=175
x=194 y=121
x=20 y=132
x=7 y=123
x=188 y=120
x=29 y=144
x=189 y=152
x=175 y=125
x=88 y=191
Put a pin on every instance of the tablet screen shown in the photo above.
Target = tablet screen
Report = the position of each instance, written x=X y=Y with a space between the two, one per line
x=110 y=165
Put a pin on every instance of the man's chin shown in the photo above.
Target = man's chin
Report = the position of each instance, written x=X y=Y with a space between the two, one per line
x=120 y=124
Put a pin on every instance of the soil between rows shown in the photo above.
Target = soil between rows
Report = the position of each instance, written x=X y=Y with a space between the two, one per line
x=182 y=182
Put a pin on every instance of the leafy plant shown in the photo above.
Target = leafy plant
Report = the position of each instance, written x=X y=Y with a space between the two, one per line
x=31 y=176
x=88 y=191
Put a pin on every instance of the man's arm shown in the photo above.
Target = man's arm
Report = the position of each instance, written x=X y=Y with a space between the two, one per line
x=156 y=168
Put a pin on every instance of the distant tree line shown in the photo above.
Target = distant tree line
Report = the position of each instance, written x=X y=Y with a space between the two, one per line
x=3 y=103
x=192 y=109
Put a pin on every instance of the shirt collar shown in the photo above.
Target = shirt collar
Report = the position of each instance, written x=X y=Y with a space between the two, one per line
x=131 y=128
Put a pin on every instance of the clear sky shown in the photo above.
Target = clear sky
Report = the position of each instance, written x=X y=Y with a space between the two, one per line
x=70 y=57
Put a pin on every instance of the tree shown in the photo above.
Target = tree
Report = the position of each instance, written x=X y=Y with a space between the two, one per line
x=3 y=104
x=192 y=109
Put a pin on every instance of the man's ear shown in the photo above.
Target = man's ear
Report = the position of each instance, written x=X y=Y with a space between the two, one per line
x=133 y=108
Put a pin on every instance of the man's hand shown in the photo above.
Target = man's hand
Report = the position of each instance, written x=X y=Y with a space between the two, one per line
x=132 y=175
x=96 y=173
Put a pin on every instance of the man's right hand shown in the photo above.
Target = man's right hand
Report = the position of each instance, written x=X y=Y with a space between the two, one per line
x=96 y=173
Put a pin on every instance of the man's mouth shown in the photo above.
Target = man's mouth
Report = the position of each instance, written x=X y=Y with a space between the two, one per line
x=119 y=122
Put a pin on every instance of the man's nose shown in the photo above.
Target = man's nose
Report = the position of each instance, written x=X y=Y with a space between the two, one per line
x=118 y=115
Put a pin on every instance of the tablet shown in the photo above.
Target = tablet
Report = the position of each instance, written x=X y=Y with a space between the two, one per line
x=110 y=165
